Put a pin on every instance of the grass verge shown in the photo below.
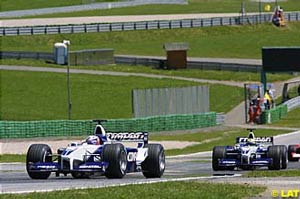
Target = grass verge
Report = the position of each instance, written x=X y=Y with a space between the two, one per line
x=226 y=41
x=43 y=96
x=12 y=158
x=267 y=173
x=191 y=189
x=291 y=120
x=191 y=73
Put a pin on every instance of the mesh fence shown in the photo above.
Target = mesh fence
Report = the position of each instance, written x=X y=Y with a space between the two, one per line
x=50 y=128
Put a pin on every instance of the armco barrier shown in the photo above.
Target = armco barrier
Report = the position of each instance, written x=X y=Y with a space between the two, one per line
x=293 y=103
x=143 y=25
x=56 y=128
x=157 y=62
x=274 y=114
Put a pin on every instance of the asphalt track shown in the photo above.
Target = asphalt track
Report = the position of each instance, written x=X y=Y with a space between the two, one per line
x=14 y=178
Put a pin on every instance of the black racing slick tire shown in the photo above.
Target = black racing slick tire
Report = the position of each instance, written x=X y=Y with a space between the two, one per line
x=219 y=152
x=292 y=149
x=38 y=153
x=154 y=165
x=284 y=156
x=115 y=155
x=274 y=152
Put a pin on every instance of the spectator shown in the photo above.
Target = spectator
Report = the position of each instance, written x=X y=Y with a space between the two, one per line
x=267 y=100
x=278 y=17
x=272 y=97
x=251 y=112
x=257 y=111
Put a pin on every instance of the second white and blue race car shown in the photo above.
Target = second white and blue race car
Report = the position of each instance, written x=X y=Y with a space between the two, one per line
x=250 y=152
x=102 y=153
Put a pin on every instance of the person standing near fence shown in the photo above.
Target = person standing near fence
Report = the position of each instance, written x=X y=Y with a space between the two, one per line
x=271 y=94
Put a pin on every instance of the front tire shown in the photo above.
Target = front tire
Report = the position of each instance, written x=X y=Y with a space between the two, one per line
x=115 y=155
x=154 y=165
x=274 y=152
x=38 y=153
x=219 y=152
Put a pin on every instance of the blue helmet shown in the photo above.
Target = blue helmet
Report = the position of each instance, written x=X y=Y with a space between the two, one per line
x=93 y=139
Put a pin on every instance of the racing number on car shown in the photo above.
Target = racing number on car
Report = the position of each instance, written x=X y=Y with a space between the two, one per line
x=131 y=157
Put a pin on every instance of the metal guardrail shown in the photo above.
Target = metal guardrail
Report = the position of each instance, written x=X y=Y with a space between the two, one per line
x=26 y=55
x=143 y=25
x=220 y=118
x=144 y=61
x=160 y=63
x=293 y=103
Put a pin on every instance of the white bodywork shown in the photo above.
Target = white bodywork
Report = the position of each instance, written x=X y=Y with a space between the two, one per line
x=79 y=152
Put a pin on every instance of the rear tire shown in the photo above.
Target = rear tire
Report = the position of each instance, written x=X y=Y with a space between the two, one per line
x=219 y=152
x=154 y=165
x=38 y=153
x=284 y=156
x=292 y=149
x=115 y=155
x=274 y=152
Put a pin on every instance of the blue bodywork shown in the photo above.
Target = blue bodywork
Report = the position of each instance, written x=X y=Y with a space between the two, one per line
x=246 y=155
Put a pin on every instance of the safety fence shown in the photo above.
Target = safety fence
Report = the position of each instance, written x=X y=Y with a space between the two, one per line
x=274 y=114
x=56 y=128
x=144 y=25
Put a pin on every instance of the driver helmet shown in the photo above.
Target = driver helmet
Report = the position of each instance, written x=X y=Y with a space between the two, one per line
x=251 y=138
x=92 y=139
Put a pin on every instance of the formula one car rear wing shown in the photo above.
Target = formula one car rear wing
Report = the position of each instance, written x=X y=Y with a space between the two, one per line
x=119 y=136
x=256 y=139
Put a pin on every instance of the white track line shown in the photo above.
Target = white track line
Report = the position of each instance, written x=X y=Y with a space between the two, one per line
x=125 y=184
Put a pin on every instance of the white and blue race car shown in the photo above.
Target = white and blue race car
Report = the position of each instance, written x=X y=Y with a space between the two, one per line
x=249 y=153
x=102 y=153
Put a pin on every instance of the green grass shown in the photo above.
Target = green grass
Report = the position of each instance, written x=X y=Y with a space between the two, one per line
x=226 y=41
x=194 y=6
x=267 y=173
x=191 y=189
x=12 y=158
x=191 y=73
x=292 y=119
x=210 y=139
x=8 y=5
x=43 y=96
